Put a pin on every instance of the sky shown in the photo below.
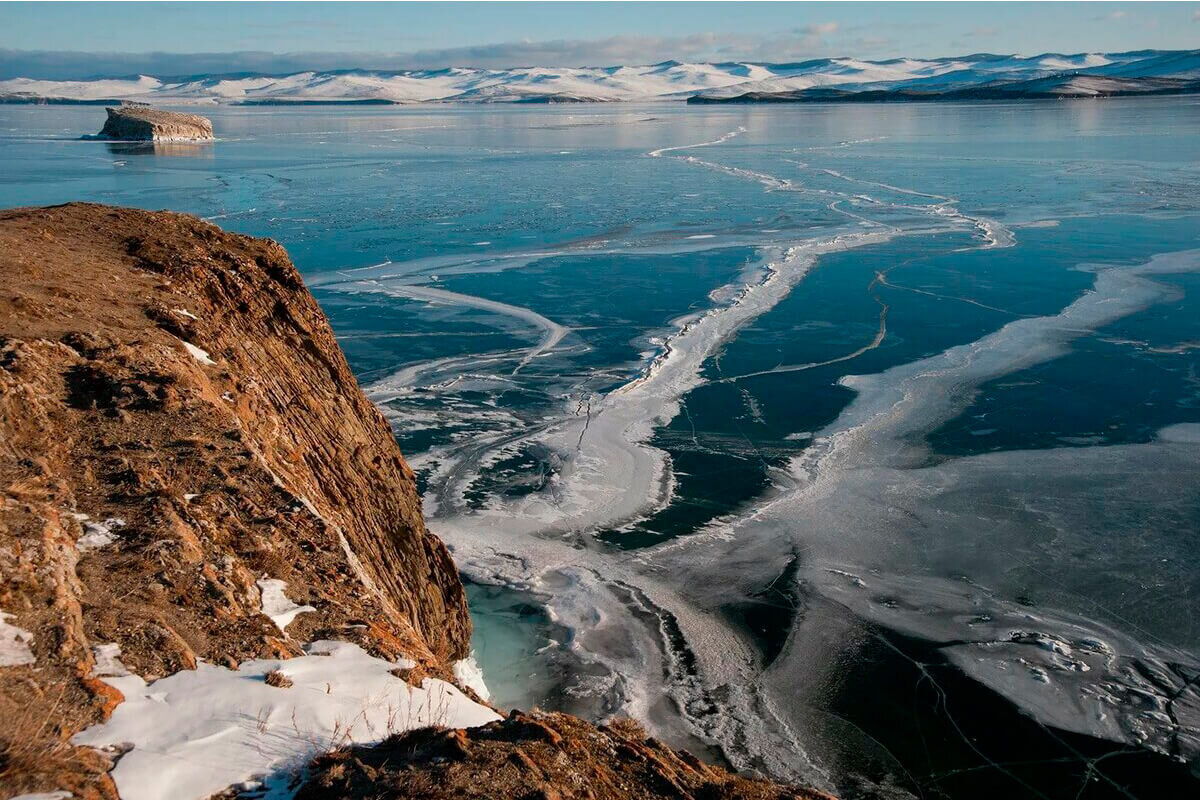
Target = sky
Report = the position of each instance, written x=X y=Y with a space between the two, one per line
x=89 y=39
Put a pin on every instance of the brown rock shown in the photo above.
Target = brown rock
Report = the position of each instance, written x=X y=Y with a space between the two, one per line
x=134 y=122
x=515 y=758
x=105 y=412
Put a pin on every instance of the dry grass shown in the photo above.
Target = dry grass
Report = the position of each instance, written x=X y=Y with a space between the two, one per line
x=278 y=680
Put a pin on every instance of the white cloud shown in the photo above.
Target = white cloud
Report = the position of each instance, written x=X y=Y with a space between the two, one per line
x=820 y=28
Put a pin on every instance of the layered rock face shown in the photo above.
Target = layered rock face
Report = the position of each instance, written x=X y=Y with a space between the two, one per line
x=177 y=423
x=141 y=123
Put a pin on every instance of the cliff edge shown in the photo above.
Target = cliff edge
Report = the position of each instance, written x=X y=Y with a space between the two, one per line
x=142 y=123
x=214 y=565
x=179 y=432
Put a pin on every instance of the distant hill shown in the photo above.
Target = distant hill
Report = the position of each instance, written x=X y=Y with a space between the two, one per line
x=979 y=75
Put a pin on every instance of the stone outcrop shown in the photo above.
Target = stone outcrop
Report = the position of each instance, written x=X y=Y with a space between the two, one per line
x=144 y=124
x=178 y=423
x=535 y=756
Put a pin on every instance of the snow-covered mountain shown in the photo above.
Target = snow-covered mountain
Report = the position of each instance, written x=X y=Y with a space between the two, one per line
x=827 y=78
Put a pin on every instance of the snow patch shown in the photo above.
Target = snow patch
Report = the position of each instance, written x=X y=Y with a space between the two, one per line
x=277 y=606
x=14 y=644
x=199 y=731
x=198 y=354
x=470 y=674
x=108 y=661
x=98 y=534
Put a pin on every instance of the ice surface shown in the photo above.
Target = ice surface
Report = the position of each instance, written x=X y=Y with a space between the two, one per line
x=881 y=528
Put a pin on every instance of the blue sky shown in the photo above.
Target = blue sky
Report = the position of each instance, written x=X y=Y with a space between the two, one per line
x=185 y=38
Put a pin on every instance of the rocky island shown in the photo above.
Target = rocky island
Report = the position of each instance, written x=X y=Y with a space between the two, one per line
x=215 y=567
x=140 y=123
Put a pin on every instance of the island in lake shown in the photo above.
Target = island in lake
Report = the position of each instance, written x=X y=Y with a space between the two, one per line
x=140 y=123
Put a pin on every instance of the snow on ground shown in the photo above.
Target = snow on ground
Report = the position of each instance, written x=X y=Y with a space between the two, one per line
x=469 y=674
x=14 y=644
x=98 y=534
x=199 y=731
x=108 y=661
x=82 y=90
x=277 y=606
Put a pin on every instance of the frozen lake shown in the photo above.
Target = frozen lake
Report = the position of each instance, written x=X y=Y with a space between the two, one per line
x=855 y=444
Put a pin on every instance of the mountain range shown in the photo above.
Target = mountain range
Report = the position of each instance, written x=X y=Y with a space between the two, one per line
x=980 y=75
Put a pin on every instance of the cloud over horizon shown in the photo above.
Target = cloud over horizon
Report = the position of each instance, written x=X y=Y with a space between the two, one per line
x=809 y=41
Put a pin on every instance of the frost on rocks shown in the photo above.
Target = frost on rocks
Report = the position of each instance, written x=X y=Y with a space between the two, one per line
x=469 y=674
x=277 y=606
x=198 y=354
x=14 y=644
x=199 y=731
x=99 y=534
x=59 y=795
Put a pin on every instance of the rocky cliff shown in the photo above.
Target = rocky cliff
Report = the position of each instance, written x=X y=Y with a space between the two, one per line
x=177 y=424
x=207 y=533
x=142 y=123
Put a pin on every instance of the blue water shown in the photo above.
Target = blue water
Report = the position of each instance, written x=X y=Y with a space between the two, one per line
x=496 y=276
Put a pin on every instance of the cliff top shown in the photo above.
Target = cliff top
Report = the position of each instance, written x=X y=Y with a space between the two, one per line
x=189 y=473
